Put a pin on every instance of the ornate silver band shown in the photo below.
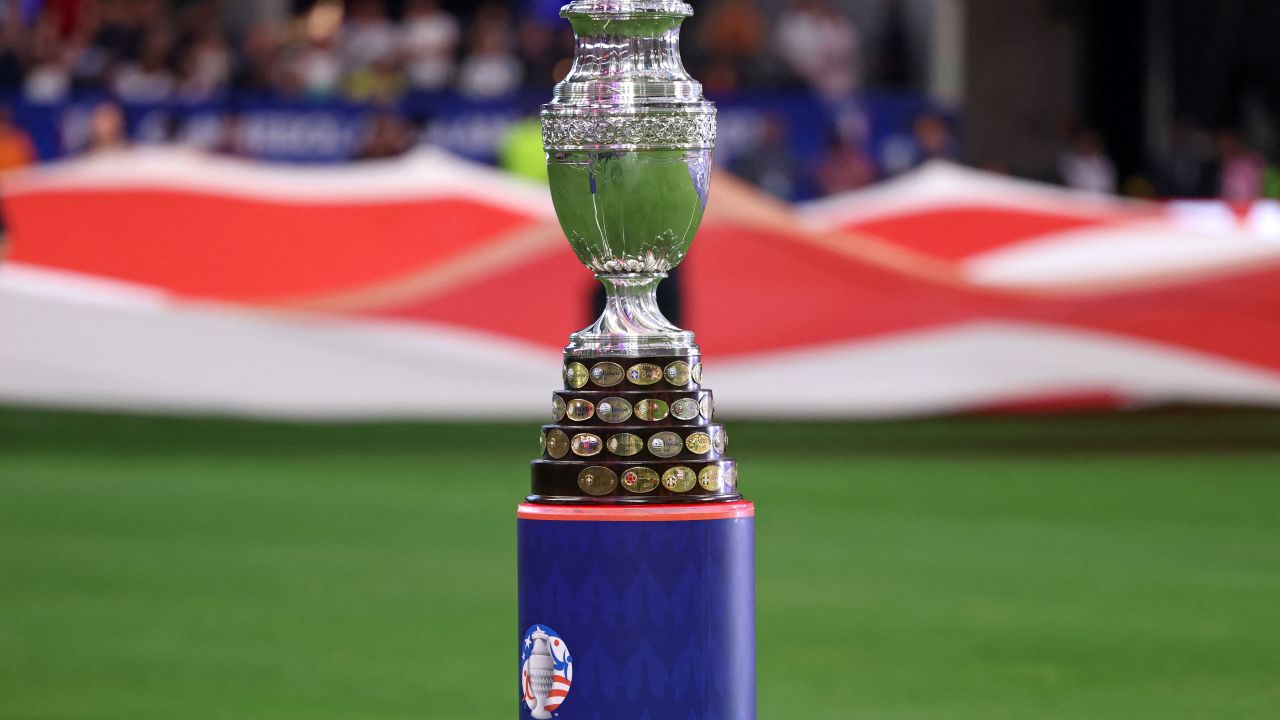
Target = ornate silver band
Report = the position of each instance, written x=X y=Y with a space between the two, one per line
x=615 y=8
x=637 y=131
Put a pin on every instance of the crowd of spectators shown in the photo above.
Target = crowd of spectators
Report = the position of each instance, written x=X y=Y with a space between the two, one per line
x=149 y=50
x=1199 y=163
x=377 y=52
x=142 y=52
x=369 y=50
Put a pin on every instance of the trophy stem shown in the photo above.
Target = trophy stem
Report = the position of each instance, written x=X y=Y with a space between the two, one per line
x=631 y=324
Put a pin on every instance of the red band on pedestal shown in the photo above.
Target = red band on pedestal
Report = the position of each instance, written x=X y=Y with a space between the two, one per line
x=637 y=513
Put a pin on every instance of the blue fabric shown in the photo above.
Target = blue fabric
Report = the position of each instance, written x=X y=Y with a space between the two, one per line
x=659 y=616
x=330 y=131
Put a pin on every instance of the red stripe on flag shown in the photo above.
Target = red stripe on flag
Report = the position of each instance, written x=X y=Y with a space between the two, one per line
x=231 y=248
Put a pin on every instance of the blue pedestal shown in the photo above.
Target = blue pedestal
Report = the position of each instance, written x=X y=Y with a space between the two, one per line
x=637 y=612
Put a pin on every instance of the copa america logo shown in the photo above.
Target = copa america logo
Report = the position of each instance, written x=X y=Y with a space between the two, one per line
x=546 y=671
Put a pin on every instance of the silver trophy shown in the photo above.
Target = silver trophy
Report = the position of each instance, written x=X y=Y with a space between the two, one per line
x=541 y=673
x=629 y=138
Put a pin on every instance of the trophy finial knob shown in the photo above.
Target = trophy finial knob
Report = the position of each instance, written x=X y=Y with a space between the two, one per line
x=629 y=139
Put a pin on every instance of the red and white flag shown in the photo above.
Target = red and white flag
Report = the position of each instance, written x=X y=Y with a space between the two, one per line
x=431 y=287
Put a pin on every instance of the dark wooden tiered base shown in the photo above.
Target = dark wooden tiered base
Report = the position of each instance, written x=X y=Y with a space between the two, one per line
x=634 y=430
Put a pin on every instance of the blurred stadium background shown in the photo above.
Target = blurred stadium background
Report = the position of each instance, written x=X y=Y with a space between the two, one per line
x=1026 y=251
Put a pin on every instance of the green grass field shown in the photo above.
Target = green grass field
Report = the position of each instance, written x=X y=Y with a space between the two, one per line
x=985 y=568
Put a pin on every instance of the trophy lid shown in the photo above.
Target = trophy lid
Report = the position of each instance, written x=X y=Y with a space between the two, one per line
x=627 y=58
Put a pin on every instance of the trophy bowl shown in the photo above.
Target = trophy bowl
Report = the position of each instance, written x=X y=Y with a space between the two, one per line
x=630 y=211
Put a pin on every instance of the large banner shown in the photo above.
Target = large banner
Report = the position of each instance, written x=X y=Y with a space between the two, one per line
x=173 y=281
